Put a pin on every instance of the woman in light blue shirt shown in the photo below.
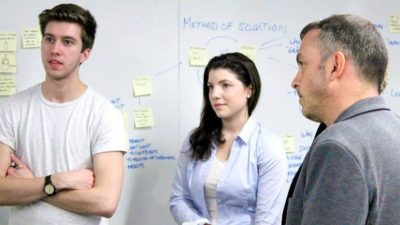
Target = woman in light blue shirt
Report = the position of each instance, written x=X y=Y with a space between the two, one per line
x=230 y=170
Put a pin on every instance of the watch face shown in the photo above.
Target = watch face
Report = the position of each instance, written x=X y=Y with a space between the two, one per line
x=49 y=189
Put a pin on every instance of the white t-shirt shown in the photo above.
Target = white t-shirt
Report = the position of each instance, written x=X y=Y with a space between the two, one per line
x=52 y=137
x=210 y=188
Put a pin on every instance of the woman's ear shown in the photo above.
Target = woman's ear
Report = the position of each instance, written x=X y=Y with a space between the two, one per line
x=250 y=91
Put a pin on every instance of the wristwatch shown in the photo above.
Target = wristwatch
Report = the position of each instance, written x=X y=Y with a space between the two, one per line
x=49 y=187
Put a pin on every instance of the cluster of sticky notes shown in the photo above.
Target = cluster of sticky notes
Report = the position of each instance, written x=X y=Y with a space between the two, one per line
x=394 y=24
x=31 y=38
x=143 y=117
x=8 y=47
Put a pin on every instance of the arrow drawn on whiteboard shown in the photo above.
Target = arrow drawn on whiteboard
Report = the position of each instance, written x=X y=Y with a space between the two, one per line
x=168 y=69
x=275 y=39
x=218 y=37
x=161 y=72
x=270 y=46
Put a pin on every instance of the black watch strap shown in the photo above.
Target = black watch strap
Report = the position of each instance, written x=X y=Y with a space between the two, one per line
x=49 y=187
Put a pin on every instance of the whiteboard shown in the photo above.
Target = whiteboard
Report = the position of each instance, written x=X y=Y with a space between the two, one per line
x=153 y=38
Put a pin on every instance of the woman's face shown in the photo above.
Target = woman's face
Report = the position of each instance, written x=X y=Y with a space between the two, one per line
x=228 y=95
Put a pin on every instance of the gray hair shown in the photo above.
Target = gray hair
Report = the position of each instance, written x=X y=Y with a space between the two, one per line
x=358 y=39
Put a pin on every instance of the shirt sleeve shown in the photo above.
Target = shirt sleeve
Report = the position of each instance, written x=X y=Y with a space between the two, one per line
x=272 y=181
x=110 y=135
x=6 y=128
x=181 y=203
x=335 y=189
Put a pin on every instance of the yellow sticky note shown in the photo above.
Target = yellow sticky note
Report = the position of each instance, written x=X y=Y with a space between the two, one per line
x=198 y=56
x=288 y=143
x=249 y=51
x=7 y=85
x=125 y=117
x=142 y=86
x=394 y=24
x=31 y=38
x=8 y=42
x=144 y=117
x=7 y=62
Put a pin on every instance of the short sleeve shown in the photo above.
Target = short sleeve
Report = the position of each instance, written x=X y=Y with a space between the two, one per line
x=111 y=135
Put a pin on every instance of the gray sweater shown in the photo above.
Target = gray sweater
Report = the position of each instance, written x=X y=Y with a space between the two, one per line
x=351 y=175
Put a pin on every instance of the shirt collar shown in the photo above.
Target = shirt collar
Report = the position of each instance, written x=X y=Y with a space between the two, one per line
x=363 y=106
x=247 y=130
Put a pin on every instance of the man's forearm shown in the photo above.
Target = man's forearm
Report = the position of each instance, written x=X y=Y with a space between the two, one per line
x=17 y=184
x=87 y=202
x=19 y=191
x=102 y=199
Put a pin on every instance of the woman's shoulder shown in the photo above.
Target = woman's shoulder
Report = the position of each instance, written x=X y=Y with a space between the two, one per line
x=186 y=145
x=270 y=143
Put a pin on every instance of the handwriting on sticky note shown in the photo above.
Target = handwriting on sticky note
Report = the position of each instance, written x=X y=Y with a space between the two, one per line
x=198 y=56
x=7 y=85
x=142 y=86
x=143 y=117
x=288 y=143
x=31 y=38
x=8 y=42
x=394 y=24
x=249 y=51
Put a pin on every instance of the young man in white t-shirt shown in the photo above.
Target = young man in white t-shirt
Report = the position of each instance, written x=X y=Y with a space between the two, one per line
x=61 y=143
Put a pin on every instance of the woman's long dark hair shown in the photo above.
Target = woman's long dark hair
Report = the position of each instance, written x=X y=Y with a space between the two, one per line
x=210 y=126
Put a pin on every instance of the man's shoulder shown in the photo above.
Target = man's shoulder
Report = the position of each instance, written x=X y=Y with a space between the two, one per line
x=24 y=96
x=97 y=100
x=99 y=107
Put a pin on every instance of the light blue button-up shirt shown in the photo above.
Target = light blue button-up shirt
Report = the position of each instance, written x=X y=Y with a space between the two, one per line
x=251 y=190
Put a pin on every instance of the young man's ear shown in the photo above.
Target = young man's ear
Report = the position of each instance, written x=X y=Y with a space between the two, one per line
x=85 y=55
